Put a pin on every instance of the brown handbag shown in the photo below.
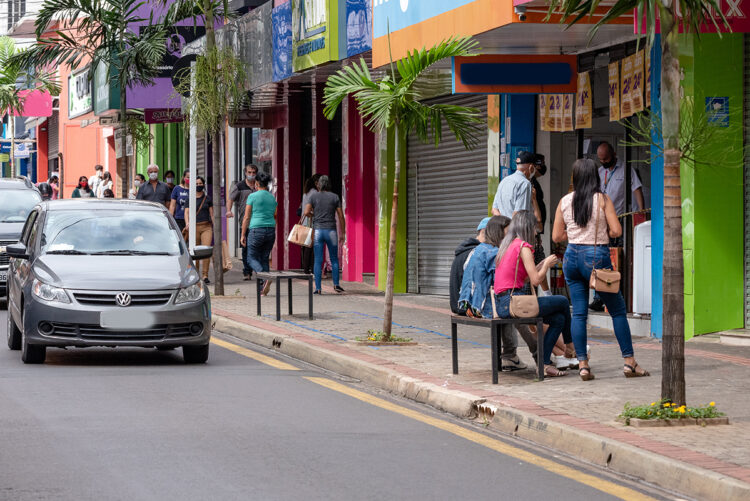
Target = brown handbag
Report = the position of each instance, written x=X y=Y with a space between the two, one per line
x=525 y=306
x=603 y=279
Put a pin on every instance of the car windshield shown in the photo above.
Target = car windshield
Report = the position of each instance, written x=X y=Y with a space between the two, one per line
x=17 y=204
x=108 y=232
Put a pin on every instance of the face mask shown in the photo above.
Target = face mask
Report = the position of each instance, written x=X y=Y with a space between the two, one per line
x=608 y=165
x=84 y=184
x=251 y=177
x=99 y=174
x=137 y=183
x=170 y=180
x=199 y=188
x=186 y=181
x=153 y=176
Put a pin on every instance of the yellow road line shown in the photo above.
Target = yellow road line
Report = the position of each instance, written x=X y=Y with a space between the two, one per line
x=491 y=443
x=277 y=364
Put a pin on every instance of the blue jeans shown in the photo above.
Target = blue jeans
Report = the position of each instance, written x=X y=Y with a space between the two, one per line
x=246 y=269
x=322 y=239
x=555 y=310
x=259 y=246
x=579 y=262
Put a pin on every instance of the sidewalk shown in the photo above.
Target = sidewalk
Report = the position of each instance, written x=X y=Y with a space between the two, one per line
x=709 y=457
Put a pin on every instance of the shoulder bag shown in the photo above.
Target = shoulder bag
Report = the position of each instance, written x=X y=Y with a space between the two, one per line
x=301 y=235
x=603 y=279
x=186 y=229
x=524 y=306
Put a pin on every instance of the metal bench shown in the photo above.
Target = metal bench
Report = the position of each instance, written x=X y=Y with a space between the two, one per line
x=495 y=324
x=278 y=276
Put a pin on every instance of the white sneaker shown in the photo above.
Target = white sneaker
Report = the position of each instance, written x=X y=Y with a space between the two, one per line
x=561 y=363
x=513 y=364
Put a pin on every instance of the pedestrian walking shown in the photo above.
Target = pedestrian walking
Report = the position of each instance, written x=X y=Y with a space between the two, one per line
x=108 y=194
x=586 y=218
x=105 y=183
x=96 y=178
x=54 y=183
x=324 y=206
x=169 y=178
x=178 y=200
x=139 y=181
x=238 y=194
x=204 y=216
x=515 y=264
x=308 y=253
x=154 y=190
x=83 y=190
x=259 y=227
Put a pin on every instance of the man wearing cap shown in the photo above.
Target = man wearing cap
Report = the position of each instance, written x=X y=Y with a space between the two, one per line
x=514 y=193
x=463 y=253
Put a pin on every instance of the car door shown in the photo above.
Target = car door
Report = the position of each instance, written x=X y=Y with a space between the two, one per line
x=18 y=271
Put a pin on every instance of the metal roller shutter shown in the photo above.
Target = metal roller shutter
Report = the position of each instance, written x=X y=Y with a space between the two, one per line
x=746 y=110
x=52 y=135
x=447 y=197
x=200 y=155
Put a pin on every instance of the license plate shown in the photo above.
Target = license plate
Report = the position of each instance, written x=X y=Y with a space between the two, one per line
x=3 y=276
x=126 y=319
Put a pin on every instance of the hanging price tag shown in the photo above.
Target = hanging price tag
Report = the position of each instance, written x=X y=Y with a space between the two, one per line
x=626 y=87
x=638 y=82
x=614 y=91
x=583 y=102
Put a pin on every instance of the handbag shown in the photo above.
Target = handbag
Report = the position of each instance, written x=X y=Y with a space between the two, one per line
x=603 y=279
x=186 y=229
x=524 y=306
x=301 y=235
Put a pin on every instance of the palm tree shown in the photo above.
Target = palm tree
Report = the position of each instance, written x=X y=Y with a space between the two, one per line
x=393 y=101
x=672 y=14
x=96 y=32
x=15 y=83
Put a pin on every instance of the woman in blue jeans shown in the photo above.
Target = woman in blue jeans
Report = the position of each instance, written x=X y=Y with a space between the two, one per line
x=260 y=216
x=515 y=263
x=324 y=206
x=586 y=218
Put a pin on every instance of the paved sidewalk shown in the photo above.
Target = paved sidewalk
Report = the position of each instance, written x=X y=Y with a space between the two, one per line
x=714 y=372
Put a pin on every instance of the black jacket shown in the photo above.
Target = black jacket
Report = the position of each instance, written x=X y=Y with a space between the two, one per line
x=457 y=270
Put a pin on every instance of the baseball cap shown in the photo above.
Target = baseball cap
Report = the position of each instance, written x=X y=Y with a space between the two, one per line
x=525 y=157
x=483 y=223
x=539 y=163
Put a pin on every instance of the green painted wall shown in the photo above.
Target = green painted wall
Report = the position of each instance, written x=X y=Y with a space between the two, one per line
x=712 y=189
x=387 y=169
x=168 y=150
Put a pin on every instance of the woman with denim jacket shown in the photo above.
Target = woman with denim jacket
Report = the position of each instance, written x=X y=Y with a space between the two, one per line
x=586 y=218
x=474 y=298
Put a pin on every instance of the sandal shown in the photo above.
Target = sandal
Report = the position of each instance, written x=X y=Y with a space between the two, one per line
x=586 y=374
x=552 y=371
x=632 y=371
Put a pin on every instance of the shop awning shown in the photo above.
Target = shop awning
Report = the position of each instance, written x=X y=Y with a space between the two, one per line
x=36 y=103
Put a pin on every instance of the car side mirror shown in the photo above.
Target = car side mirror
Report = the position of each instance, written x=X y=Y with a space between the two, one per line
x=17 y=250
x=202 y=252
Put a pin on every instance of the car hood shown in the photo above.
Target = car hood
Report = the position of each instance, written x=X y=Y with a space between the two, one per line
x=115 y=272
x=11 y=231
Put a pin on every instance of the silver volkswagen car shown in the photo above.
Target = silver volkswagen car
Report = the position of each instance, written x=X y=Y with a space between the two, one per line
x=105 y=273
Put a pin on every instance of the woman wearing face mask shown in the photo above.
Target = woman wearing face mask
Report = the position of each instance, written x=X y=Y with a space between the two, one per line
x=139 y=181
x=82 y=190
x=204 y=215
x=104 y=184
x=179 y=197
x=169 y=178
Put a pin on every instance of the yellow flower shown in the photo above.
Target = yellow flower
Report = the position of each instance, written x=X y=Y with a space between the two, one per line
x=681 y=410
x=653 y=404
x=712 y=404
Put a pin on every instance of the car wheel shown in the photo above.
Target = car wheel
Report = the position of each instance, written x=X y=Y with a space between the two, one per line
x=195 y=354
x=13 y=334
x=31 y=353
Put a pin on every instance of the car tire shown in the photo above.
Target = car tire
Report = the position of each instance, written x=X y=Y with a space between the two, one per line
x=13 y=334
x=31 y=353
x=195 y=354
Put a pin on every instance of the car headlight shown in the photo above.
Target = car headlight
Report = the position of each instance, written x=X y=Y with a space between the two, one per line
x=190 y=293
x=49 y=293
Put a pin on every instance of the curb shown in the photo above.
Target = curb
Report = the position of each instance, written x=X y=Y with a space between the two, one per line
x=667 y=473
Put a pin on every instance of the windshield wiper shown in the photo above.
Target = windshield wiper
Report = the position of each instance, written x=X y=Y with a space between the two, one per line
x=128 y=252
x=71 y=252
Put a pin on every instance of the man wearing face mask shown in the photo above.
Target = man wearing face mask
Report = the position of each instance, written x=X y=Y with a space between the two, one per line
x=514 y=193
x=238 y=194
x=96 y=178
x=154 y=190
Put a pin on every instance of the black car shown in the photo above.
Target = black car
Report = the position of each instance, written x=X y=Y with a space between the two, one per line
x=17 y=197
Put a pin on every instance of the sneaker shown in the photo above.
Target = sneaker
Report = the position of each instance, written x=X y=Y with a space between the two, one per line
x=596 y=305
x=338 y=289
x=266 y=287
x=318 y=293
x=513 y=364
x=246 y=277
x=560 y=362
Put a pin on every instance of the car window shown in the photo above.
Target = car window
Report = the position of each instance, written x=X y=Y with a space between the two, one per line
x=34 y=231
x=109 y=232
x=17 y=204
x=27 y=227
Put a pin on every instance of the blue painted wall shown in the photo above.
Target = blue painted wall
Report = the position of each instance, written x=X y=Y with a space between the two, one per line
x=518 y=110
x=657 y=199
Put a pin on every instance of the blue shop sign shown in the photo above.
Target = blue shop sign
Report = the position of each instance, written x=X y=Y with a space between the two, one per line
x=717 y=111
x=358 y=27
x=399 y=14
x=282 y=41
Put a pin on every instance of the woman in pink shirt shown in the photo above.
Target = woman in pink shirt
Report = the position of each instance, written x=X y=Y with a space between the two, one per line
x=515 y=264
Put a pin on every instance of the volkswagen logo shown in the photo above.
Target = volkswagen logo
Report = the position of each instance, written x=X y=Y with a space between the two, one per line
x=123 y=299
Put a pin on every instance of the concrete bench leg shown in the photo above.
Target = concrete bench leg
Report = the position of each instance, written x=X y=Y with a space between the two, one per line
x=454 y=346
x=259 y=287
x=495 y=353
x=540 y=350
x=290 y=296
x=278 y=299
x=310 y=297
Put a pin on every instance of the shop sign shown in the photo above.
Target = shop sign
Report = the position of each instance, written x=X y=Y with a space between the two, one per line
x=163 y=116
x=106 y=90
x=255 y=31
x=282 y=41
x=79 y=94
x=648 y=78
x=395 y=15
x=556 y=112
x=543 y=112
x=614 y=91
x=358 y=26
x=247 y=119
x=567 y=112
x=34 y=103
x=118 y=143
x=4 y=157
x=315 y=32
x=626 y=87
x=717 y=111
x=583 y=102
x=736 y=12
x=22 y=150
x=638 y=78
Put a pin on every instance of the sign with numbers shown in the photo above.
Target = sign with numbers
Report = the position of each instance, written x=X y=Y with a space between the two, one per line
x=647 y=77
x=583 y=102
x=614 y=91
x=556 y=112
x=567 y=112
x=626 y=87
x=638 y=82
x=543 y=111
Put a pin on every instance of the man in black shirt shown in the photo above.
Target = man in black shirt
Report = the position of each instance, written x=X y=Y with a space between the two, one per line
x=540 y=169
x=238 y=195
x=154 y=190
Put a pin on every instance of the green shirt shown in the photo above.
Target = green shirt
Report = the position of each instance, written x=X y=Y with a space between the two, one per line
x=264 y=208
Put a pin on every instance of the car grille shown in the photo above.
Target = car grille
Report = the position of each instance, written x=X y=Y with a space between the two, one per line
x=137 y=299
x=4 y=258
x=95 y=332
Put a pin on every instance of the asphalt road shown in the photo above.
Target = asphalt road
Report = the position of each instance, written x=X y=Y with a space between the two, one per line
x=139 y=424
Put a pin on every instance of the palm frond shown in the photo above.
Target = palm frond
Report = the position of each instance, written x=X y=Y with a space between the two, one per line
x=426 y=120
x=352 y=79
x=418 y=61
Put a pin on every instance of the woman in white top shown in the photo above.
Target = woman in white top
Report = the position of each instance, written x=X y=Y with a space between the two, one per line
x=586 y=218
x=104 y=185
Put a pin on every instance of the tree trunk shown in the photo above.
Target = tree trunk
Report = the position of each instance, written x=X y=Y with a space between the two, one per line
x=673 y=323
x=391 y=270
x=124 y=141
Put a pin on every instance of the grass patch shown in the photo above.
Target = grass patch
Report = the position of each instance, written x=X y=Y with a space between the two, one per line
x=375 y=336
x=668 y=410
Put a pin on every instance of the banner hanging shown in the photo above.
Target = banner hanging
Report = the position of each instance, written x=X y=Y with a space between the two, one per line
x=626 y=87
x=614 y=91
x=567 y=112
x=583 y=102
x=543 y=112
x=637 y=90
